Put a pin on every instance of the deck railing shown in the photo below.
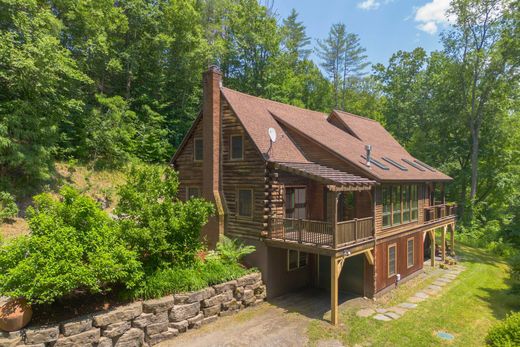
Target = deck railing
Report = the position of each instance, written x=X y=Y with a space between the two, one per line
x=437 y=212
x=321 y=233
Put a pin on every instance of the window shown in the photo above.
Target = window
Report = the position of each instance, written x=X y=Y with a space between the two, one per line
x=387 y=207
x=392 y=262
x=245 y=203
x=400 y=204
x=415 y=202
x=409 y=252
x=192 y=192
x=406 y=204
x=198 y=149
x=296 y=260
x=396 y=204
x=237 y=147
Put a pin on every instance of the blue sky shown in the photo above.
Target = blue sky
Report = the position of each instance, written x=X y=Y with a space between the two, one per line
x=384 y=26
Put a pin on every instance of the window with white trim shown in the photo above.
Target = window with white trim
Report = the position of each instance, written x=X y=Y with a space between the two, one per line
x=410 y=252
x=296 y=259
x=392 y=260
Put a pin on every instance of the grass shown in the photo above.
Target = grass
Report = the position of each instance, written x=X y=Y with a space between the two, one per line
x=467 y=308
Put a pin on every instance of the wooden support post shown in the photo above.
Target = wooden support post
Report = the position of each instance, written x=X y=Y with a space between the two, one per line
x=432 y=236
x=452 y=239
x=335 y=220
x=443 y=246
x=333 y=290
x=370 y=257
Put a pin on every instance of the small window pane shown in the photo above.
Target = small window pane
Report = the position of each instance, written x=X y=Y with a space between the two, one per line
x=303 y=259
x=387 y=207
x=410 y=251
x=406 y=204
x=396 y=204
x=391 y=261
x=198 y=149
x=245 y=203
x=193 y=192
x=236 y=147
x=292 y=259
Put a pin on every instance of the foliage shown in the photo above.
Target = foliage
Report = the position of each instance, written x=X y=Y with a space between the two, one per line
x=8 y=208
x=73 y=245
x=505 y=333
x=159 y=227
x=39 y=81
x=232 y=251
x=183 y=279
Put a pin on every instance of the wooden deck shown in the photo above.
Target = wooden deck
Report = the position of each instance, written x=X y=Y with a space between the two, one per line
x=322 y=234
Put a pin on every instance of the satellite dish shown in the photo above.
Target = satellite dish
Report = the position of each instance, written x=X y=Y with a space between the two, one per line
x=272 y=134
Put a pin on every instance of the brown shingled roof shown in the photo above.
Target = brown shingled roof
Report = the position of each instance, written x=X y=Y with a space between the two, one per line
x=257 y=115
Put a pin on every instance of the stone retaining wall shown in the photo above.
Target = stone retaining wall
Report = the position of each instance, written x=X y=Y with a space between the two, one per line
x=146 y=323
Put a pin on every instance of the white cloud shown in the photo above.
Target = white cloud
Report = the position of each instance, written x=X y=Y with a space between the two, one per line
x=369 y=5
x=432 y=15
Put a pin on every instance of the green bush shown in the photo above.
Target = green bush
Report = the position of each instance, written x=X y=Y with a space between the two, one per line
x=232 y=251
x=73 y=245
x=157 y=225
x=184 y=279
x=514 y=262
x=8 y=208
x=506 y=333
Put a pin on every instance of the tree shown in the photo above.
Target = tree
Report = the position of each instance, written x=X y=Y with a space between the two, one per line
x=39 y=84
x=344 y=60
x=475 y=44
x=295 y=41
x=332 y=52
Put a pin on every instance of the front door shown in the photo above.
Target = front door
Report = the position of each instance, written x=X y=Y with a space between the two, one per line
x=295 y=203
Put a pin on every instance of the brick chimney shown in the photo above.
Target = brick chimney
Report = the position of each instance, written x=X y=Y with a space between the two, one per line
x=211 y=166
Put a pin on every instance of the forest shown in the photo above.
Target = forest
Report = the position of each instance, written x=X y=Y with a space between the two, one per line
x=107 y=82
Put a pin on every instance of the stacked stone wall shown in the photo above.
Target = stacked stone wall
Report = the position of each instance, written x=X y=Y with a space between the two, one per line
x=145 y=323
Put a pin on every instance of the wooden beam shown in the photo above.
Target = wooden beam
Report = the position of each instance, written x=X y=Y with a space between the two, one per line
x=443 y=245
x=452 y=232
x=369 y=256
x=432 y=237
x=336 y=264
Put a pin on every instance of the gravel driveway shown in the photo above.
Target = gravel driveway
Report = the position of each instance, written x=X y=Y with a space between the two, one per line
x=280 y=322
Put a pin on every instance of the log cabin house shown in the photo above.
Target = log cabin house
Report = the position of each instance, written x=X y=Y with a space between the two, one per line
x=334 y=202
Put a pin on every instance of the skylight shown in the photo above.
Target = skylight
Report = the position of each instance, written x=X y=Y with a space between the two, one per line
x=377 y=163
x=411 y=163
x=394 y=163
x=425 y=165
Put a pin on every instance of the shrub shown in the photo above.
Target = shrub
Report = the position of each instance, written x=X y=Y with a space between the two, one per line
x=8 y=208
x=505 y=333
x=184 y=279
x=161 y=228
x=514 y=262
x=73 y=245
x=232 y=251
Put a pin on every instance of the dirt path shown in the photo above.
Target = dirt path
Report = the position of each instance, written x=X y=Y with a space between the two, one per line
x=282 y=322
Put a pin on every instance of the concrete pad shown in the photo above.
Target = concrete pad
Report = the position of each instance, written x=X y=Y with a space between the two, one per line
x=397 y=309
x=366 y=312
x=381 y=310
x=439 y=283
x=407 y=305
x=431 y=292
x=415 y=299
x=434 y=287
x=393 y=315
x=382 y=317
x=329 y=343
x=421 y=295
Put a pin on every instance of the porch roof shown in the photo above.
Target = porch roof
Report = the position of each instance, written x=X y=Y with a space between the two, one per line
x=335 y=179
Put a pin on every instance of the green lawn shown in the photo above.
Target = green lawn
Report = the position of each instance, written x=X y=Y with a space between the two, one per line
x=466 y=308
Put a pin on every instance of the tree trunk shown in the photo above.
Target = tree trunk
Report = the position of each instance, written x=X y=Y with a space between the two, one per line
x=474 y=160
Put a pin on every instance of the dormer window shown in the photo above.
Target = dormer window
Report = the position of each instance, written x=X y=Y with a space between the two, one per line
x=237 y=147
